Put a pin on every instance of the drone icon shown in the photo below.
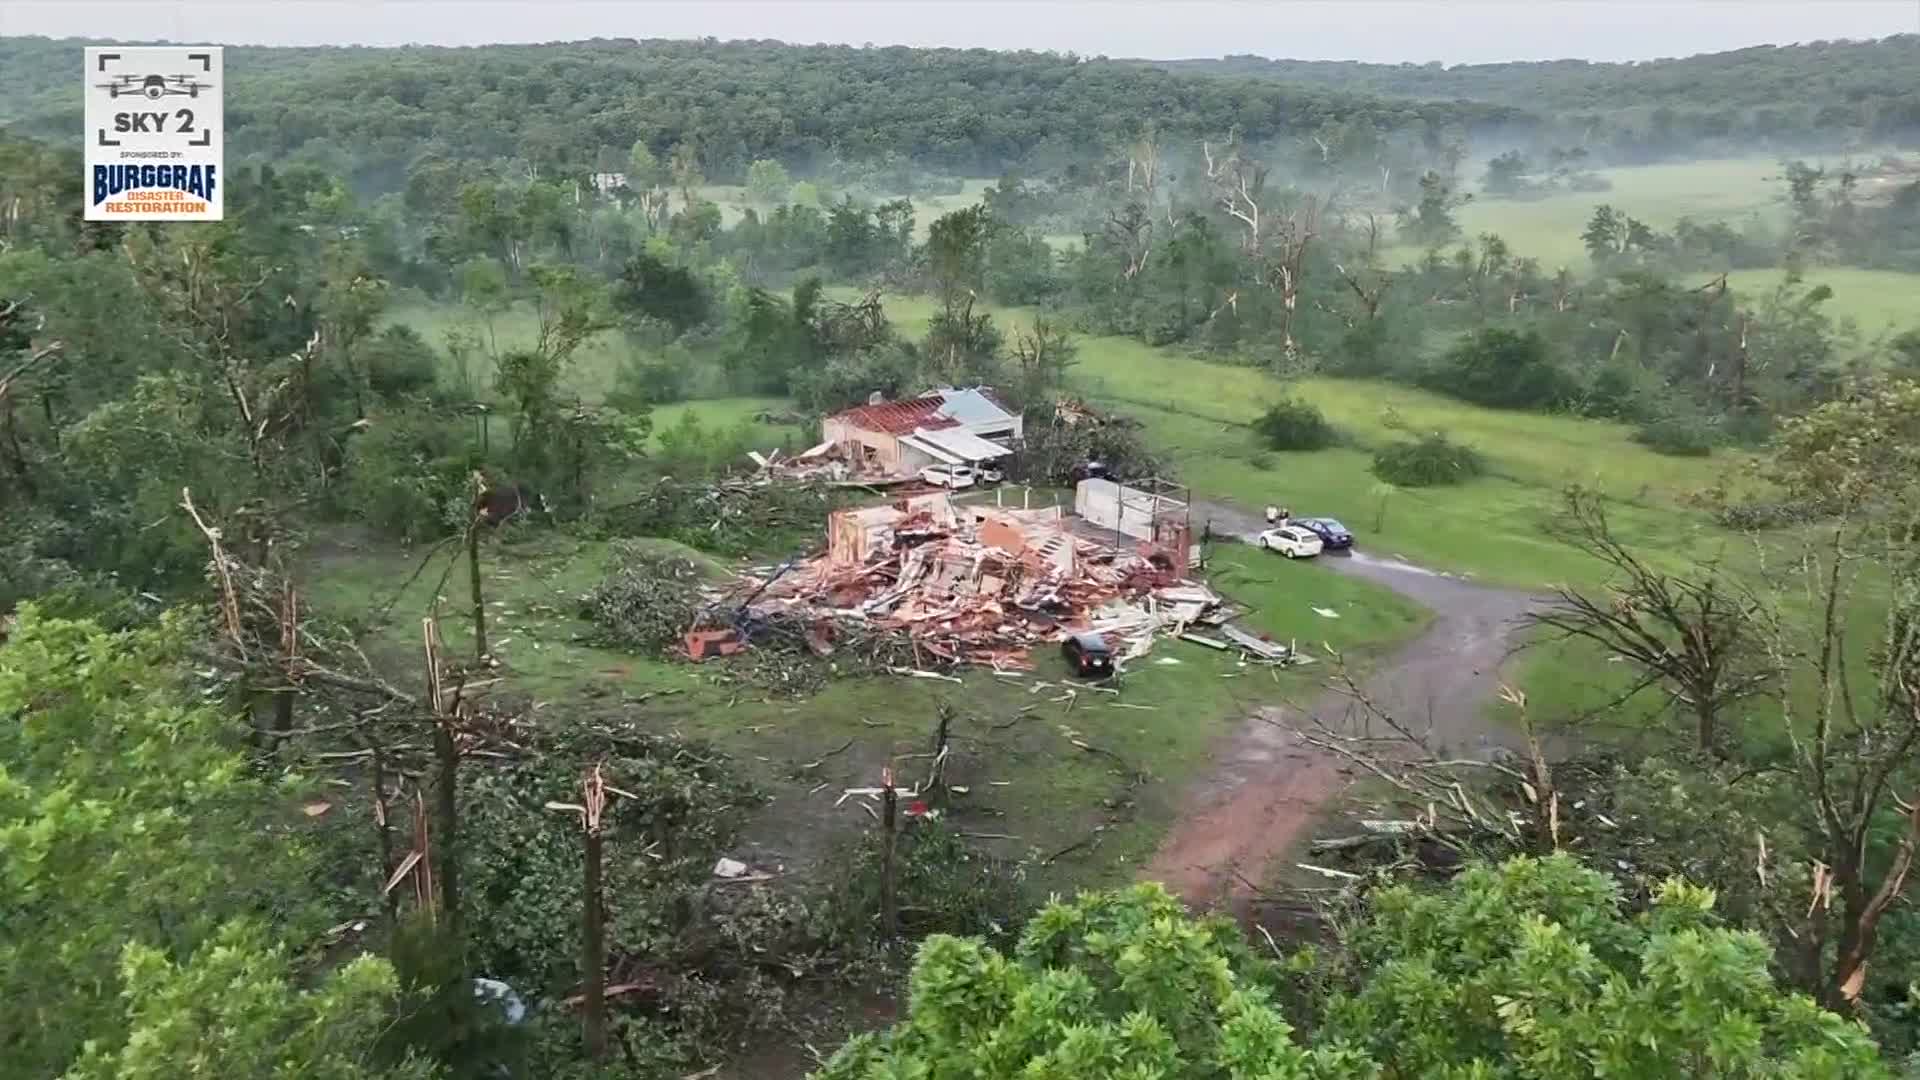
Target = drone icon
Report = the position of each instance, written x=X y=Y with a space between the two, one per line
x=154 y=87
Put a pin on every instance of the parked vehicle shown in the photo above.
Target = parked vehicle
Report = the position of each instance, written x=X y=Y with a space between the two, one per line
x=991 y=474
x=1088 y=655
x=1293 y=541
x=1333 y=535
x=1089 y=470
x=948 y=476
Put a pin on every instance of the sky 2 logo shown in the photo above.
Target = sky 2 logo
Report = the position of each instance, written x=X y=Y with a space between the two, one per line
x=155 y=122
x=154 y=117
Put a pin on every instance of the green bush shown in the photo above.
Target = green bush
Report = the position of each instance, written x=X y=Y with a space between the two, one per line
x=408 y=475
x=1429 y=461
x=1681 y=436
x=1292 y=424
x=1504 y=369
x=1758 y=516
x=399 y=363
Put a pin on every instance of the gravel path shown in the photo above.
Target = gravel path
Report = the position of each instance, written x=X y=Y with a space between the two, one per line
x=1267 y=789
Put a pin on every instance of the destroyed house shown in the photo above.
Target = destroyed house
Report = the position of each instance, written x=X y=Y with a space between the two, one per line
x=945 y=427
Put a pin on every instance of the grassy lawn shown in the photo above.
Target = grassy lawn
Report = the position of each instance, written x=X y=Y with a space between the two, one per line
x=1877 y=300
x=594 y=365
x=1549 y=229
x=716 y=413
x=1197 y=411
x=1731 y=190
x=1014 y=742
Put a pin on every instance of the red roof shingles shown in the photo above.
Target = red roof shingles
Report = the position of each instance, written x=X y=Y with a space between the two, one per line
x=899 y=417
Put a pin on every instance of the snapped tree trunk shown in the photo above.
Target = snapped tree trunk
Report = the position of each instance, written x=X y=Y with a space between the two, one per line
x=1862 y=911
x=889 y=908
x=594 y=949
x=1704 y=728
x=473 y=583
x=448 y=870
x=282 y=713
x=383 y=835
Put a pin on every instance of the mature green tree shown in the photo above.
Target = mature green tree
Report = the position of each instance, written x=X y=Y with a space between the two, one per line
x=236 y=1008
x=130 y=827
x=1524 y=971
x=1430 y=222
x=1504 y=368
x=571 y=308
x=643 y=169
x=1530 y=970
x=1506 y=174
x=768 y=183
x=1119 y=984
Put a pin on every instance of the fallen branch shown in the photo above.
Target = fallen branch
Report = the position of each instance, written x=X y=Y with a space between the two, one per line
x=841 y=749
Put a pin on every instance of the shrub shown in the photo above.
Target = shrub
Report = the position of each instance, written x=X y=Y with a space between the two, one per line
x=1502 y=368
x=1292 y=424
x=1428 y=461
x=408 y=475
x=399 y=363
x=1681 y=436
x=1055 y=448
x=1757 y=516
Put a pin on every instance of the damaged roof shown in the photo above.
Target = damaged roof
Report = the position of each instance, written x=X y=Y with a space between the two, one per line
x=948 y=408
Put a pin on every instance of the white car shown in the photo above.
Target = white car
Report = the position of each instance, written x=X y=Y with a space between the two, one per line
x=991 y=474
x=948 y=476
x=1292 y=541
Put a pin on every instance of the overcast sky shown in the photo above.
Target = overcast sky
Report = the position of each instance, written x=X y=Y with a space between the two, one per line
x=1455 y=31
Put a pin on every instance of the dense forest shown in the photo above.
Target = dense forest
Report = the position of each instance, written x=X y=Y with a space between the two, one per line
x=1880 y=73
x=1822 y=93
x=368 y=113
x=278 y=492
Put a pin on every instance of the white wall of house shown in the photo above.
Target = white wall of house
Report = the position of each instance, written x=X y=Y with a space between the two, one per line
x=884 y=448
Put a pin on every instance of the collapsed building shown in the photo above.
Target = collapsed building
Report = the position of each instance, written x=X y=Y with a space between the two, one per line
x=984 y=584
x=946 y=427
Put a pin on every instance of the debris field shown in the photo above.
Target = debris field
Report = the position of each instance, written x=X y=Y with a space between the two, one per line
x=979 y=584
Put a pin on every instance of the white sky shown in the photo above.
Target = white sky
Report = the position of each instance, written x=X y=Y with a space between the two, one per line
x=1454 y=31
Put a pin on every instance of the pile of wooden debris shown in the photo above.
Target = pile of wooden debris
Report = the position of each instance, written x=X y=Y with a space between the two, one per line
x=981 y=584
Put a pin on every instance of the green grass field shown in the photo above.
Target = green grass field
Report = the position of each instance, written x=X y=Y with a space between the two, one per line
x=1197 y=412
x=1549 y=229
x=1878 y=301
x=594 y=364
x=1732 y=190
x=1026 y=777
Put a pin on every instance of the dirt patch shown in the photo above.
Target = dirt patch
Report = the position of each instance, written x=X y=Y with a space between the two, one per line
x=1268 y=789
x=1264 y=795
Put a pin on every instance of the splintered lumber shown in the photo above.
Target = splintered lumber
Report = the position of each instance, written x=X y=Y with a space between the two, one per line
x=1201 y=639
x=915 y=674
x=1266 y=650
x=1328 y=872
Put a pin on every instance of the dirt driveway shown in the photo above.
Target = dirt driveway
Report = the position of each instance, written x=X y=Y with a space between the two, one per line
x=1267 y=789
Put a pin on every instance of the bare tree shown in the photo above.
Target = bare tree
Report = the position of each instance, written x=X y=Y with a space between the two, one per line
x=1461 y=802
x=594 y=790
x=1041 y=356
x=1696 y=635
x=1276 y=240
x=1849 y=753
x=1367 y=281
x=1130 y=230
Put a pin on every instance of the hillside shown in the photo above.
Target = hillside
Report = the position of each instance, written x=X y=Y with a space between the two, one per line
x=367 y=112
x=1819 y=73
